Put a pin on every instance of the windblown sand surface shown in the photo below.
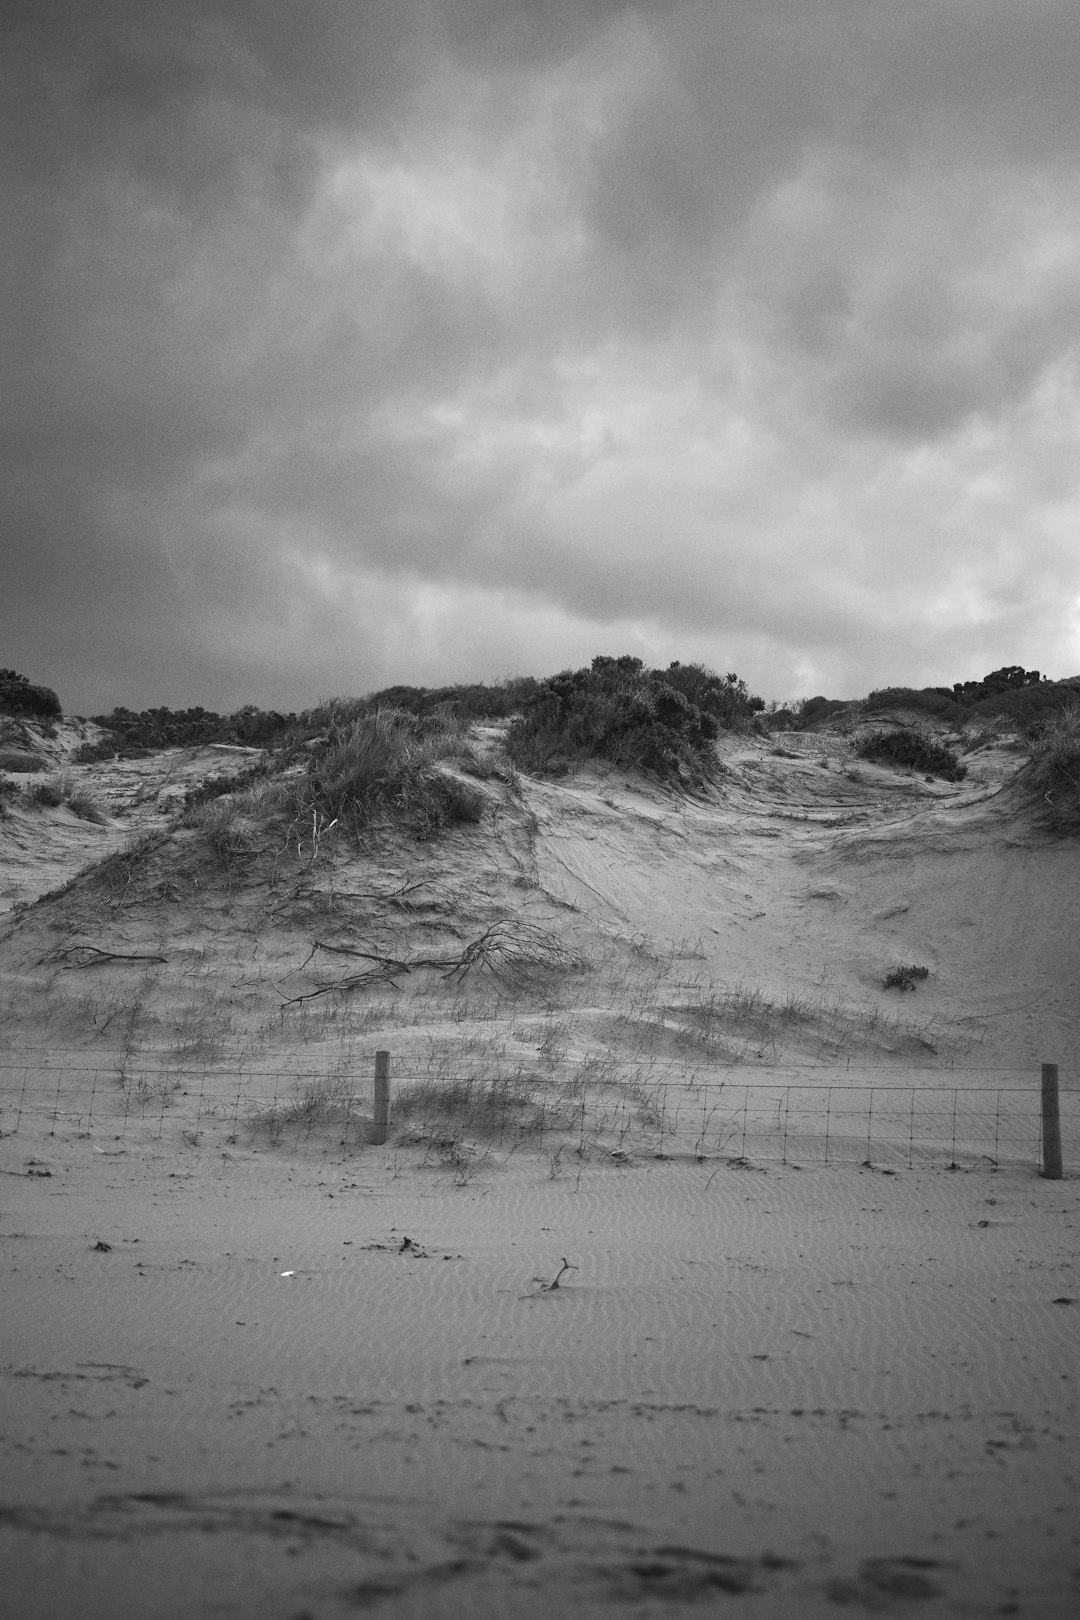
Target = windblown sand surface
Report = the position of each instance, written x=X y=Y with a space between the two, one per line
x=253 y=1365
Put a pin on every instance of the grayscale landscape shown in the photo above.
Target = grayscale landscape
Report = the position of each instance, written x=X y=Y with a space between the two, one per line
x=706 y=1260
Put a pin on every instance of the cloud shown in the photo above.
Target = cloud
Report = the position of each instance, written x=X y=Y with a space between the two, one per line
x=414 y=341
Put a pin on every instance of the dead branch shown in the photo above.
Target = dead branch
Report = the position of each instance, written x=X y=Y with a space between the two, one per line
x=351 y=950
x=514 y=951
x=94 y=956
x=355 y=981
x=510 y=951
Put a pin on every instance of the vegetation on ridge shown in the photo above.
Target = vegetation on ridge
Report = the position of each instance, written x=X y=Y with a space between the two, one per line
x=662 y=721
x=364 y=769
x=19 y=696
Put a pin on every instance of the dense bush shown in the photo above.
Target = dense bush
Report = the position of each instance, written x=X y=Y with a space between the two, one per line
x=913 y=749
x=18 y=696
x=1028 y=708
x=1010 y=678
x=725 y=697
x=935 y=700
x=1021 y=696
x=475 y=701
x=1052 y=774
x=132 y=734
x=821 y=708
x=637 y=718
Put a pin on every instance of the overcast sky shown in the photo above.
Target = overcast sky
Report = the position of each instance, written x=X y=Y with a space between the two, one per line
x=347 y=342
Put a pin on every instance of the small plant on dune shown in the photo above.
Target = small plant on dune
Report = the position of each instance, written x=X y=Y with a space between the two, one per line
x=230 y=825
x=1052 y=774
x=330 y=1100
x=904 y=978
x=462 y=1118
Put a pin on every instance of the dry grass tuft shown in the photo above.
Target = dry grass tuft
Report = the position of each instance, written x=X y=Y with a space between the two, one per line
x=1052 y=774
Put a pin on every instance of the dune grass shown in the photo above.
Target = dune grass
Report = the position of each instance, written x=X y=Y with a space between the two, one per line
x=1052 y=774
x=367 y=770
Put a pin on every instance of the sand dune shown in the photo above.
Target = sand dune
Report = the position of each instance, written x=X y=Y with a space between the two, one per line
x=254 y=1365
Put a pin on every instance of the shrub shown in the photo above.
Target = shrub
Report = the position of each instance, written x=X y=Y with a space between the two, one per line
x=821 y=708
x=1052 y=774
x=475 y=701
x=1010 y=678
x=904 y=978
x=725 y=697
x=18 y=696
x=636 y=718
x=1028 y=708
x=133 y=735
x=46 y=793
x=913 y=749
x=933 y=700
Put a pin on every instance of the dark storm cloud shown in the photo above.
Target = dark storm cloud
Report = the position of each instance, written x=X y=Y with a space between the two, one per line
x=736 y=331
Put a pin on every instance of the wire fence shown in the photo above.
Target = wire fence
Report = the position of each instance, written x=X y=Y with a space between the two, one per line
x=890 y=1118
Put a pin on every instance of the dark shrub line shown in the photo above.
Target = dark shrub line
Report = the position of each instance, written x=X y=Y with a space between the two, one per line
x=911 y=748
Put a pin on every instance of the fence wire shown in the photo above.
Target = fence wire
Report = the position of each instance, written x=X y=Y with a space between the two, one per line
x=808 y=1116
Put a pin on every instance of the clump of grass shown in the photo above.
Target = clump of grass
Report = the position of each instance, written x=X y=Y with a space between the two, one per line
x=21 y=761
x=65 y=789
x=511 y=1106
x=911 y=748
x=388 y=761
x=1052 y=774
x=735 y=1024
x=230 y=825
x=367 y=769
x=327 y=1101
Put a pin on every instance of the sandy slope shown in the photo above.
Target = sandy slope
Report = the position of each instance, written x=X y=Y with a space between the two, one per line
x=760 y=1389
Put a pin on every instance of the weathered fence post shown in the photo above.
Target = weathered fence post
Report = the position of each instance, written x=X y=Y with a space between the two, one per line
x=382 y=1098
x=1051 y=1123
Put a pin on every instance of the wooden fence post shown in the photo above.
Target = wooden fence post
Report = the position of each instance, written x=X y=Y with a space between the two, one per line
x=382 y=1098
x=1051 y=1123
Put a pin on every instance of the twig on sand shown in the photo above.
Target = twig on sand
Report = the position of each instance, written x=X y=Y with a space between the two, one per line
x=550 y=1287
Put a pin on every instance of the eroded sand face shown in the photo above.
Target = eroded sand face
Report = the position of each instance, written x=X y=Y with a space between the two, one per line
x=230 y=1385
